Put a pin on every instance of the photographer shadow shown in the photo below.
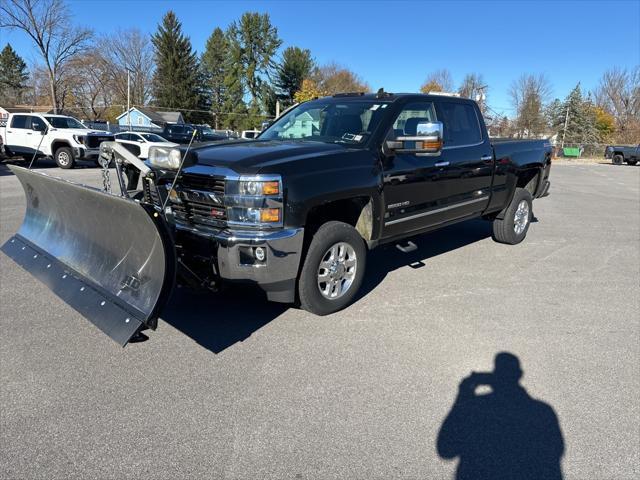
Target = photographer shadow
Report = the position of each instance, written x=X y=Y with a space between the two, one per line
x=505 y=434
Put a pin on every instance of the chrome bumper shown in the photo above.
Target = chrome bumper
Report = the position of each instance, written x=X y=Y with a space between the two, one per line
x=276 y=274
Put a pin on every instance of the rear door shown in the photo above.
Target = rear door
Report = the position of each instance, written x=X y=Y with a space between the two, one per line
x=466 y=159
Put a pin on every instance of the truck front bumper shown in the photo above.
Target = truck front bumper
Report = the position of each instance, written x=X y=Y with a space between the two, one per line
x=83 y=153
x=269 y=259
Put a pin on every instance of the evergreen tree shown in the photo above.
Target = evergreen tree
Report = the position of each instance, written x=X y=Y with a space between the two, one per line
x=13 y=76
x=215 y=64
x=296 y=65
x=253 y=44
x=581 y=124
x=178 y=80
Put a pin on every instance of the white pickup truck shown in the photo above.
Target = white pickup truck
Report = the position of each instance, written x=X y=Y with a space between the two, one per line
x=58 y=136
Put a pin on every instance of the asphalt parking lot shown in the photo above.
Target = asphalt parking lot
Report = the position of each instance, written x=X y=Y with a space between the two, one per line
x=234 y=387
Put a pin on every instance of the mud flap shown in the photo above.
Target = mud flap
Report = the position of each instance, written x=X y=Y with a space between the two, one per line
x=111 y=258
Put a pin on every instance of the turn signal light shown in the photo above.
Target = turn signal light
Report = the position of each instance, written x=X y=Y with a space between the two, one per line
x=271 y=188
x=432 y=145
x=270 y=215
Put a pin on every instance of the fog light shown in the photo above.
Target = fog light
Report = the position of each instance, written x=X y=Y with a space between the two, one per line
x=260 y=254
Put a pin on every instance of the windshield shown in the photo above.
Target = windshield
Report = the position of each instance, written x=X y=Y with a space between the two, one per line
x=64 y=122
x=152 y=137
x=328 y=121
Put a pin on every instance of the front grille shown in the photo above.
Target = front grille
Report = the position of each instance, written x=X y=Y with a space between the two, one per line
x=94 y=141
x=201 y=182
x=198 y=207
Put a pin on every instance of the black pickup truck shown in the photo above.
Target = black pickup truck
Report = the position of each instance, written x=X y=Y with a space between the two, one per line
x=293 y=211
x=623 y=153
x=296 y=210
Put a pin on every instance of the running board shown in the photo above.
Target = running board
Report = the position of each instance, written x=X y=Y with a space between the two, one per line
x=409 y=247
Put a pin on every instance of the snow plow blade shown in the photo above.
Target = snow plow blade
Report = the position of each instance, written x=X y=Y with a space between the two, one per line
x=111 y=258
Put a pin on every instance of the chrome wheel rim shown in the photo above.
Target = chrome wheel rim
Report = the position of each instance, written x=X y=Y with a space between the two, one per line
x=337 y=270
x=521 y=218
x=63 y=158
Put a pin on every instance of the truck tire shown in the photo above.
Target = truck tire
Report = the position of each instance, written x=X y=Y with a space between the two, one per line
x=632 y=162
x=618 y=159
x=333 y=269
x=64 y=158
x=514 y=226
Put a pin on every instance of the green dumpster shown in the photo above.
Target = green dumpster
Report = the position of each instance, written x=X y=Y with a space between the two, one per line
x=571 y=152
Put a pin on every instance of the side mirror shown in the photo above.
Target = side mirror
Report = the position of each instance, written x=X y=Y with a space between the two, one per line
x=426 y=141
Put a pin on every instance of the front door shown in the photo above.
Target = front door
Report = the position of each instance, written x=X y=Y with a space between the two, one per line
x=413 y=183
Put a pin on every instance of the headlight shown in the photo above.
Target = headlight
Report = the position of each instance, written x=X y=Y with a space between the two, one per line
x=163 y=157
x=255 y=201
x=257 y=188
x=79 y=139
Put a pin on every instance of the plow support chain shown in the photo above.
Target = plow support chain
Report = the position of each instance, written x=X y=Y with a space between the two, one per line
x=111 y=258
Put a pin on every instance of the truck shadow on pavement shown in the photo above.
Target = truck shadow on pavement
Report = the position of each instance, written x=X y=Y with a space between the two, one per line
x=217 y=321
x=388 y=258
x=502 y=434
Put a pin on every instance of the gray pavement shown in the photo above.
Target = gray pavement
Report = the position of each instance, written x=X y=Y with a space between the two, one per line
x=234 y=387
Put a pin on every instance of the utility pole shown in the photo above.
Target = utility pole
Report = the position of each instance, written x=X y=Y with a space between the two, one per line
x=129 y=98
x=564 y=132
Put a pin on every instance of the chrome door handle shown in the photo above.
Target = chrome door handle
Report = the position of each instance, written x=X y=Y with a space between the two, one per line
x=442 y=164
x=486 y=158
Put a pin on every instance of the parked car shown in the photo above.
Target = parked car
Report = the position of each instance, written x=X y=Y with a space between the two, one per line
x=59 y=136
x=139 y=143
x=293 y=212
x=207 y=134
x=623 y=153
x=177 y=133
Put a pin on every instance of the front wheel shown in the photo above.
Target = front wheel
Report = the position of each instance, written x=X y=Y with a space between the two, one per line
x=333 y=269
x=513 y=227
x=617 y=159
x=64 y=158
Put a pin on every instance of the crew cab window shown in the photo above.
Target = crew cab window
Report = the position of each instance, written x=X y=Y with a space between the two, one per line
x=20 y=121
x=461 y=126
x=413 y=113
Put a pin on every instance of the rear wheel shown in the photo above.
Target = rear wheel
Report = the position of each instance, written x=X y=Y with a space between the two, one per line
x=64 y=158
x=618 y=159
x=513 y=227
x=333 y=269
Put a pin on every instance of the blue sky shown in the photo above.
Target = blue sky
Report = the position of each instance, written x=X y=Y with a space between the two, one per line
x=396 y=44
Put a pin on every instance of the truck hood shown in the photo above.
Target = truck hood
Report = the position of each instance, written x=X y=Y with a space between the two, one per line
x=80 y=131
x=251 y=156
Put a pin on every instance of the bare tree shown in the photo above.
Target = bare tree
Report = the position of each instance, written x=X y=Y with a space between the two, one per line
x=474 y=87
x=129 y=50
x=619 y=94
x=528 y=95
x=48 y=24
x=438 y=81
x=90 y=85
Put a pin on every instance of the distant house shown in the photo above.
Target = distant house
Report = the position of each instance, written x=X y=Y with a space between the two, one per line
x=145 y=117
